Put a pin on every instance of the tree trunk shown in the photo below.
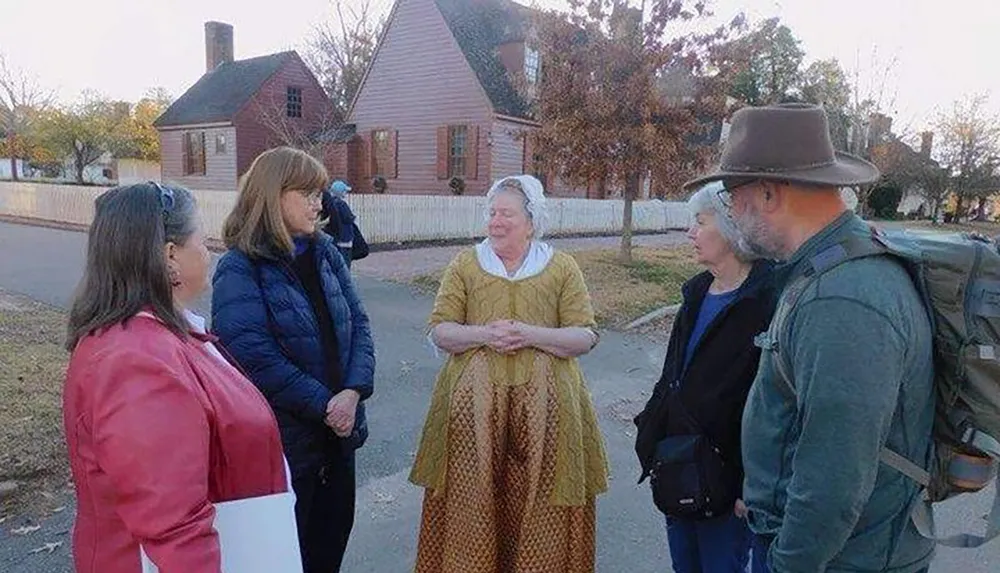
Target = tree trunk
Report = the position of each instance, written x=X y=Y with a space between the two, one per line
x=631 y=190
x=981 y=209
x=13 y=165
x=864 y=192
x=79 y=169
x=958 y=209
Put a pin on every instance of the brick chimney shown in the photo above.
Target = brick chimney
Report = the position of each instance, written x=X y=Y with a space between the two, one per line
x=880 y=128
x=926 y=142
x=218 y=44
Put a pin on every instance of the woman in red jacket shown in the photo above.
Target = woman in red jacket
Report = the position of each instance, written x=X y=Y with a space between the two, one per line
x=159 y=424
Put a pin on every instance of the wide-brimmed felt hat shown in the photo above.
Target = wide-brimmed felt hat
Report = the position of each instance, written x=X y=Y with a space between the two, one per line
x=786 y=142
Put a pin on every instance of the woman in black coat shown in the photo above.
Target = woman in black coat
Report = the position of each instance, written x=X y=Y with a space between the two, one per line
x=688 y=437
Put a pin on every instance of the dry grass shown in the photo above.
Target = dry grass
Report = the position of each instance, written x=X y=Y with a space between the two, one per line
x=621 y=292
x=32 y=366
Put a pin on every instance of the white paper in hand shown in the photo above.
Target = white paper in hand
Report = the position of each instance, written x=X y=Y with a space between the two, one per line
x=256 y=535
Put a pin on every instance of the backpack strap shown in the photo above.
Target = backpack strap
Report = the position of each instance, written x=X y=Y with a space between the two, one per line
x=922 y=513
x=852 y=248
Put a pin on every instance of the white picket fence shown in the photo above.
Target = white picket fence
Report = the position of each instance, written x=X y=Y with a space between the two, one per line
x=382 y=218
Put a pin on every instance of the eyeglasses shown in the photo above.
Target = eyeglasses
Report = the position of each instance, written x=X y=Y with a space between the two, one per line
x=313 y=196
x=729 y=187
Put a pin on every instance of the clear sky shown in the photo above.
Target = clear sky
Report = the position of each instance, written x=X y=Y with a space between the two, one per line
x=121 y=48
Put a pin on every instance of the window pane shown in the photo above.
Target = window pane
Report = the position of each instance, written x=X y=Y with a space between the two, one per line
x=458 y=136
x=293 y=105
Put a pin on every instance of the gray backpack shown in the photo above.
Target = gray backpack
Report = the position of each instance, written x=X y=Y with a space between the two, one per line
x=958 y=275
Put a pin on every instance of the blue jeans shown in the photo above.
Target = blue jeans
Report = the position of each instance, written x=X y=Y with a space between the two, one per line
x=719 y=545
x=758 y=563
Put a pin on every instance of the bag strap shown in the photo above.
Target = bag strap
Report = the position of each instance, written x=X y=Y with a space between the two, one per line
x=922 y=513
x=830 y=258
x=852 y=248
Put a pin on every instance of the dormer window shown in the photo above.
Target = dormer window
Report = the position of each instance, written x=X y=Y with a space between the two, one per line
x=531 y=65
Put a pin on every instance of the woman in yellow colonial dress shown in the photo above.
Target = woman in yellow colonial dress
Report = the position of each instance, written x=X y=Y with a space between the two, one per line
x=511 y=455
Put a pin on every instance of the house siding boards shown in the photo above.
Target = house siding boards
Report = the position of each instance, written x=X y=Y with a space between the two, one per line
x=220 y=168
x=420 y=81
x=508 y=149
x=255 y=134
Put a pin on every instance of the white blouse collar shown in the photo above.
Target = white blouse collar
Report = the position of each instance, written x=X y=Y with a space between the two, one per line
x=539 y=255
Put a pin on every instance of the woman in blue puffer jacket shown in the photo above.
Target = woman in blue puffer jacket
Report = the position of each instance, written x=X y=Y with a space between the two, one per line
x=284 y=305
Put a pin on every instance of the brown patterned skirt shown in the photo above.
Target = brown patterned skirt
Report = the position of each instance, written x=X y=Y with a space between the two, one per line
x=494 y=515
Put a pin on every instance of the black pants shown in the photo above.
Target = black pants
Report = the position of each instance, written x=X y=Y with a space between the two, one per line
x=324 y=512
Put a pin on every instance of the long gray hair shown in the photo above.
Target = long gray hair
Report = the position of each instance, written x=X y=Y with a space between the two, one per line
x=126 y=269
x=706 y=201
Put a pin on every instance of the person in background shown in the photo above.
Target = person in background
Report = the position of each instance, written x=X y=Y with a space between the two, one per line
x=710 y=364
x=511 y=456
x=340 y=219
x=284 y=304
x=159 y=423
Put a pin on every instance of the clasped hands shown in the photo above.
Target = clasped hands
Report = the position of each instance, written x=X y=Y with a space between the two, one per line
x=340 y=412
x=509 y=336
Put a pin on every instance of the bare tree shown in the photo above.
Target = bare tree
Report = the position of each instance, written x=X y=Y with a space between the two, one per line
x=21 y=98
x=303 y=130
x=873 y=97
x=970 y=149
x=341 y=49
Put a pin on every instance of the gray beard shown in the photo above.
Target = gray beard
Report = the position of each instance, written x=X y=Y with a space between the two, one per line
x=754 y=237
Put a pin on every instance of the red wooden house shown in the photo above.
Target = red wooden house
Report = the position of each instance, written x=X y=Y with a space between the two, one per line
x=212 y=133
x=447 y=97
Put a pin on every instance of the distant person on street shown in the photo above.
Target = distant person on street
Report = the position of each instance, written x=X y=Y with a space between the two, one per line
x=160 y=423
x=340 y=219
x=688 y=436
x=847 y=363
x=284 y=304
x=511 y=455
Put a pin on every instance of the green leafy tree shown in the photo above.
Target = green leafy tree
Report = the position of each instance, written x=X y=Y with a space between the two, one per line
x=83 y=132
x=772 y=73
x=970 y=149
x=137 y=138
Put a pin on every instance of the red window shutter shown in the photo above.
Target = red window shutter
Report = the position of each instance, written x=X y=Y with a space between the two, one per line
x=373 y=166
x=528 y=161
x=201 y=155
x=442 y=152
x=394 y=151
x=472 y=152
x=186 y=138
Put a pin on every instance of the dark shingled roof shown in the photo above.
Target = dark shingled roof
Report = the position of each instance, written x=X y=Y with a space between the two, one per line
x=339 y=134
x=221 y=93
x=480 y=27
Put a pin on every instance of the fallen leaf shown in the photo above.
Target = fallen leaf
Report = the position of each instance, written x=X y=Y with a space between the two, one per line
x=2 y=519
x=59 y=509
x=26 y=529
x=48 y=547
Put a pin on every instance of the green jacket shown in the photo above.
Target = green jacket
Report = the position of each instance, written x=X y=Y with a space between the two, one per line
x=859 y=347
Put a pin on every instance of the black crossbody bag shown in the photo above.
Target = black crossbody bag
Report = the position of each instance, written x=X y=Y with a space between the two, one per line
x=691 y=478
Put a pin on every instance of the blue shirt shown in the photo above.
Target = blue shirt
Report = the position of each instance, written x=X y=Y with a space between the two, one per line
x=711 y=307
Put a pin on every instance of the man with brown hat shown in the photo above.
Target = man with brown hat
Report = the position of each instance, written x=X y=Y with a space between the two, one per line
x=846 y=369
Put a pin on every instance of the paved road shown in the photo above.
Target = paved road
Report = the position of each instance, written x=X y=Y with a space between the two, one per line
x=45 y=264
